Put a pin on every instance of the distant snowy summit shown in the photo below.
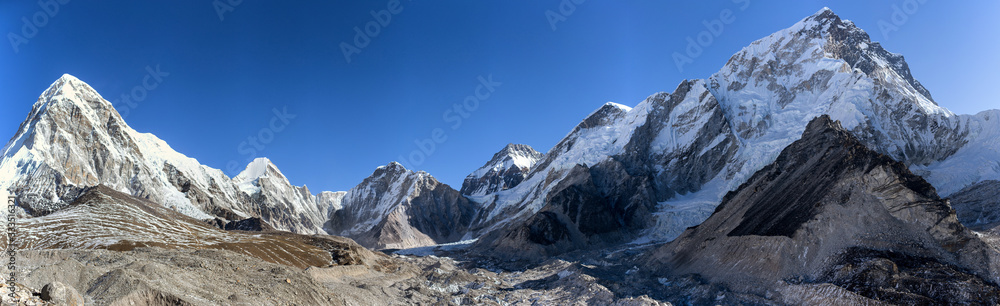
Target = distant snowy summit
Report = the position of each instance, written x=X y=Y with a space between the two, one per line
x=505 y=170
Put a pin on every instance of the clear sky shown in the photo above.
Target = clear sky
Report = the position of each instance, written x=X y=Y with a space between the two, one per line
x=222 y=77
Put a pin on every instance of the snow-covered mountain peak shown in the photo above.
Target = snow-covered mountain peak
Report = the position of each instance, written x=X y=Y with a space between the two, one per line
x=505 y=170
x=74 y=139
x=68 y=106
x=392 y=167
x=623 y=107
x=675 y=155
x=607 y=114
x=398 y=208
x=395 y=169
x=820 y=42
x=259 y=167
x=826 y=65
x=69 y=90
x=522 y=155
x=67 y=82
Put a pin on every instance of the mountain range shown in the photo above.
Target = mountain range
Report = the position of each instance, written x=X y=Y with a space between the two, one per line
x=647 y=173
x=813 y=159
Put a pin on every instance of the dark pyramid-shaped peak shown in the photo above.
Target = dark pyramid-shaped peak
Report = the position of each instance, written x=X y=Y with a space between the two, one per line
x=832 y=154
x=826 y=211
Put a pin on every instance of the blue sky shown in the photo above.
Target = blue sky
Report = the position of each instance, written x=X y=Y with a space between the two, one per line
x=222 y=79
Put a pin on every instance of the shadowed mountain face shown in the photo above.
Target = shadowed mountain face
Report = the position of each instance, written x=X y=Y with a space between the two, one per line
x=830 y=210
x=505 y=170
x=978 y=206
x=398 y=208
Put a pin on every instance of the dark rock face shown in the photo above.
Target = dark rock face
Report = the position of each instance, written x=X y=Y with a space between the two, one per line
x=248 y=224
x=978 y=206
x=396 y=208
x=217 y=223
x=440 y=212
x=681 y=171
x=831 y=211
x=505 y=170
x=546 y=229
x=788 y=211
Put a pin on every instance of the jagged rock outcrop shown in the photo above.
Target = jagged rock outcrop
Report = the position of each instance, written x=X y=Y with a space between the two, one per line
x=830 y=210
x=398 y=208
x=505 y=170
